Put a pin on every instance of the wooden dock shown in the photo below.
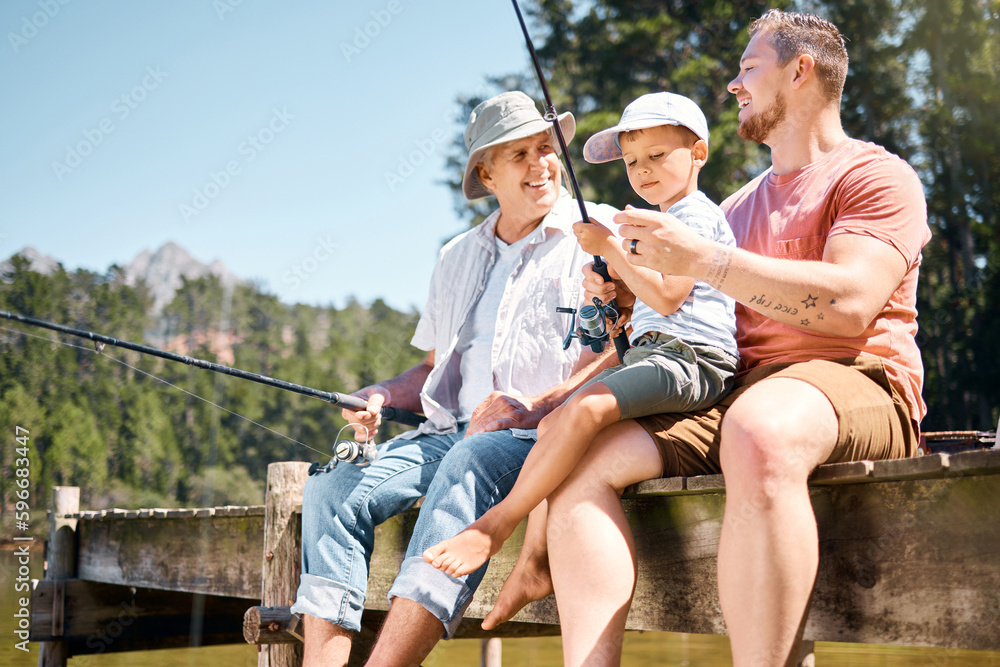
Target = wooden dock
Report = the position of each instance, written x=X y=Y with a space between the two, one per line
x=909 y=555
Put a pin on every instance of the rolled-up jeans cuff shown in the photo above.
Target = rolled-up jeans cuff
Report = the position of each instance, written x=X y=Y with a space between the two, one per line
x=330 y=601
x=444 y=596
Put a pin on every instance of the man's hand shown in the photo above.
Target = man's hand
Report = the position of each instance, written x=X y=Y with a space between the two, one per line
x=664 y=243
x=593 y=237
x=366 y=422
x=502 y=411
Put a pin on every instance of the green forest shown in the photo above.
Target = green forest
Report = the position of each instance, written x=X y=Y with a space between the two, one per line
x=924 y=82
x=107 y=422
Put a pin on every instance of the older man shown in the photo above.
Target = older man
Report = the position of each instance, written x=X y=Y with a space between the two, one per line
x=495 y=366
x=825 y=280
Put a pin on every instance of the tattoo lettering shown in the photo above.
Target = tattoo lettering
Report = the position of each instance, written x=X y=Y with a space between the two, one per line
x=810 y=301
x=766 y=303
x=788 y=310
x=719 y=269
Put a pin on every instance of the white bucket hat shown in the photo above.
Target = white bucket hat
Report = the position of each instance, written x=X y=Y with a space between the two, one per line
x=649 y=110
x=506 y=117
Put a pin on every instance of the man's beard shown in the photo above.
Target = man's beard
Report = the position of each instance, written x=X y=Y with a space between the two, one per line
x=759 y=125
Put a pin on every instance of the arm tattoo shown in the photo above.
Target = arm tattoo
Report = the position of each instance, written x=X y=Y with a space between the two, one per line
x=719 y=269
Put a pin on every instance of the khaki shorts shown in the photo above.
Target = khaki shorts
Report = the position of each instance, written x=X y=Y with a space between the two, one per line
x=874 y=422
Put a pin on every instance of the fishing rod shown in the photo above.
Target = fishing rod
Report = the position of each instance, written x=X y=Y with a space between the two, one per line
x=600 y=266
x=338 y=399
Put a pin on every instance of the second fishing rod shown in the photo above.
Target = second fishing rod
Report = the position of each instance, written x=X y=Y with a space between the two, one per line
x=335 y=398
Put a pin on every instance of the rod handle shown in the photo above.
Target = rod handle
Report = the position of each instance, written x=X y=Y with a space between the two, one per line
x=621 y=340
x=389 y=413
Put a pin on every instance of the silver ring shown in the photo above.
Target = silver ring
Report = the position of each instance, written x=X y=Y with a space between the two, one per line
x=632 y=250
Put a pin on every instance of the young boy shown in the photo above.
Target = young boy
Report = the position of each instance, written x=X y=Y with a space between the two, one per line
x=683 y=354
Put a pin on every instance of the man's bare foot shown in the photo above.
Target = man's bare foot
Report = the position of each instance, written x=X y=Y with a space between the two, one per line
x=467 y=551
x=530 y=580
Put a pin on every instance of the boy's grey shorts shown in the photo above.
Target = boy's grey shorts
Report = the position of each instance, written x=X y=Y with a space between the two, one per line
x=662 y=373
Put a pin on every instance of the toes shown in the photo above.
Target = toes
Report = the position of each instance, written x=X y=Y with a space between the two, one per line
x=432 y=553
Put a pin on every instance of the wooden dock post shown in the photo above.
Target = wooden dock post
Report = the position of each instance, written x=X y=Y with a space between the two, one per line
x=282 y=552
x=60 y=565
x=490 y=652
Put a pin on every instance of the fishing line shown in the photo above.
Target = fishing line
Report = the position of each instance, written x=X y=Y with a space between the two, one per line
x=166 y=382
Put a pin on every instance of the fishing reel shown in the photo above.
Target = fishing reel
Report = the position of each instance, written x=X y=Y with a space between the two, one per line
x=593 y=329
x=360 y=454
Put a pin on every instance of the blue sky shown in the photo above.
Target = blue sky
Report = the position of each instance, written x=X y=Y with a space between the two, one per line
x=300 y=142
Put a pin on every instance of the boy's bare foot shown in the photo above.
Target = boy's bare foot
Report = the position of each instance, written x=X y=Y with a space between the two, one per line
x=530 y=580
x=467 y=551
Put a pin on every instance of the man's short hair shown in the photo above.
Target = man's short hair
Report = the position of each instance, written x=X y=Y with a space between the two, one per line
x=793 y=34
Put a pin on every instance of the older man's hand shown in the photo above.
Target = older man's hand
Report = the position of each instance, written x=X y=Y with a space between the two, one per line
x=501 y=411
x=366 y=422
x=664 y=243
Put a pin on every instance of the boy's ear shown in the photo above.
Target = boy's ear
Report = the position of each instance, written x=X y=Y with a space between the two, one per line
x=699 y=153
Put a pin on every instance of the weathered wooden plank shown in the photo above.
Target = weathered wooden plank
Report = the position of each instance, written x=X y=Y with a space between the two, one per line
x=844 y=473
x=912 y=562
x=658 y=487
x=211 y=555
x=105 y=618
x=982 y=461
x=706 y=483
x=929 y=466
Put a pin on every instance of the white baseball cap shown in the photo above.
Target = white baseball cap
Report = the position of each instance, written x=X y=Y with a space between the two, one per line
x=650 y=110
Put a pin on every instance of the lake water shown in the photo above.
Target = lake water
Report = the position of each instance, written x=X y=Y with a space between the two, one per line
x=641 y=649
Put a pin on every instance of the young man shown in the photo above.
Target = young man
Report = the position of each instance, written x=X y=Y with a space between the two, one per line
x=825 y=283
x=683 y=353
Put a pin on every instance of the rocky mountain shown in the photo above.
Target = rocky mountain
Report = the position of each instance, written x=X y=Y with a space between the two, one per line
x=39 y=262
x=162 y=271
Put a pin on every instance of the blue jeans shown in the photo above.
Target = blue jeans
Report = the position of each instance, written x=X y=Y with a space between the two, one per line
x=461 y=479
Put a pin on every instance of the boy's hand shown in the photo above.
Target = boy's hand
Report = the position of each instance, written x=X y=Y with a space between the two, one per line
x=595 y=286
x=593 y=237
x=605 y=290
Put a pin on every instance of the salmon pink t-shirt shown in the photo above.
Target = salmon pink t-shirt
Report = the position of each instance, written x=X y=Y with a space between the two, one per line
x=860 y=188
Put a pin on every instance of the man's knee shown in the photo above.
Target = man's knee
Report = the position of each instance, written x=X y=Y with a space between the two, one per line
x=779 y=430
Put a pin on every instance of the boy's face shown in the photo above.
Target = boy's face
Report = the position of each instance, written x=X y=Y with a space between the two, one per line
x=662 y=163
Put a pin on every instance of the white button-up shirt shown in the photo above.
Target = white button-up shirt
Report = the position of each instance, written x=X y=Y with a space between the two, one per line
x=527 y=356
